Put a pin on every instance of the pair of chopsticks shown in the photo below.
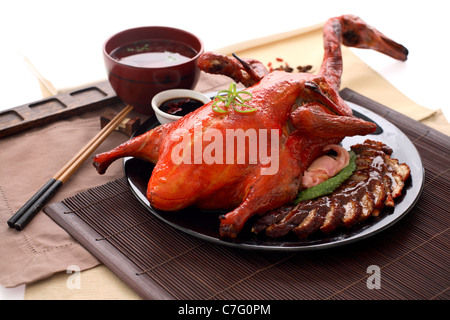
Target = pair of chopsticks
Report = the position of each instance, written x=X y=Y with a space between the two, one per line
x=25 y=214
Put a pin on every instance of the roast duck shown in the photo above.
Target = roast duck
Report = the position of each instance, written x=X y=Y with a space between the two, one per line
x=304 y=111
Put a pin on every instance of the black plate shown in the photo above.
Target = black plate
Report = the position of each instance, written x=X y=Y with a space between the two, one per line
x=205 y=224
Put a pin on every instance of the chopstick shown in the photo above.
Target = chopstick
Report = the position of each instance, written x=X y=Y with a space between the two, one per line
x=25 y=214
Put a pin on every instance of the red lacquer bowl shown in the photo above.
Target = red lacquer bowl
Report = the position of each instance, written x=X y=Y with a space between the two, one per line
x=137 y=85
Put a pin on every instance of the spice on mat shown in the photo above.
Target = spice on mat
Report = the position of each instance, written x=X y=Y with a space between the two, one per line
x=287 y=68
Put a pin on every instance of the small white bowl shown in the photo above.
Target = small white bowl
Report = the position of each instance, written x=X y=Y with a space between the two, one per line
x=163 y=96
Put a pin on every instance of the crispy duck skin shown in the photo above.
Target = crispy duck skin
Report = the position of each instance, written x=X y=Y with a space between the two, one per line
x=376 y=182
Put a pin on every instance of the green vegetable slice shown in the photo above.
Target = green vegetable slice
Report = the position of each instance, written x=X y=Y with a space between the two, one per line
x=234 y=98
x=329 y=185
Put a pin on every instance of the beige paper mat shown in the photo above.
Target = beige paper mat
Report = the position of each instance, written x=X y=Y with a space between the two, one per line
x=305 y=47
x=300 y=49
x=96 y=283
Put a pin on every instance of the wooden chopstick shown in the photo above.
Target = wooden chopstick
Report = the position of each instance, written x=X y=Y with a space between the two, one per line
x=25 y=214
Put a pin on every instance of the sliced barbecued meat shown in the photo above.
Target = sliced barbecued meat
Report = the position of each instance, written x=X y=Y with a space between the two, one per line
x=376 y=182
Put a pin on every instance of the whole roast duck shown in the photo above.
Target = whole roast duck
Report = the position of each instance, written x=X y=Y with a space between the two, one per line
x=304 y=111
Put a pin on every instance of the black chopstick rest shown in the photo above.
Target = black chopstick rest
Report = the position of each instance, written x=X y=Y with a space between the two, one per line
x=29 y=203
x=35 y=207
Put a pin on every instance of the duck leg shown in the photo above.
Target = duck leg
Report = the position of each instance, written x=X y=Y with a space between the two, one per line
x=145 y=146
x=264 y=193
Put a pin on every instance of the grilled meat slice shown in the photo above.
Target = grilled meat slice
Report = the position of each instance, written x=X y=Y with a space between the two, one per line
x=376 y=182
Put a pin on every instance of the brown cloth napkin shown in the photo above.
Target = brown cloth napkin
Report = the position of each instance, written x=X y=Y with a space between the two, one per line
x=29 y=159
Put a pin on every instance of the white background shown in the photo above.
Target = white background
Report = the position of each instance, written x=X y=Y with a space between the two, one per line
x=63 y=39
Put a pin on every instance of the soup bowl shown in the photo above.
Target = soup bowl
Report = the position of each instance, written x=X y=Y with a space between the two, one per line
x=137 y=76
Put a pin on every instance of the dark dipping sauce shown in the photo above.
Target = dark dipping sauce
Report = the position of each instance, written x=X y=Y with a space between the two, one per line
x=180 y=106
x=154 y=53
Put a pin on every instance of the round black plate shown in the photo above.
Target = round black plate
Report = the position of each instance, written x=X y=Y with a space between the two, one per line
x=205 y=224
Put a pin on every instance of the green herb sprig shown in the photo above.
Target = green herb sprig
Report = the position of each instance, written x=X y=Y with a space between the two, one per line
x=232 y=97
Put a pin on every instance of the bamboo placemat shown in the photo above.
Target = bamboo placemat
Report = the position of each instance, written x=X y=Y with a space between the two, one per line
x=160 y=262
